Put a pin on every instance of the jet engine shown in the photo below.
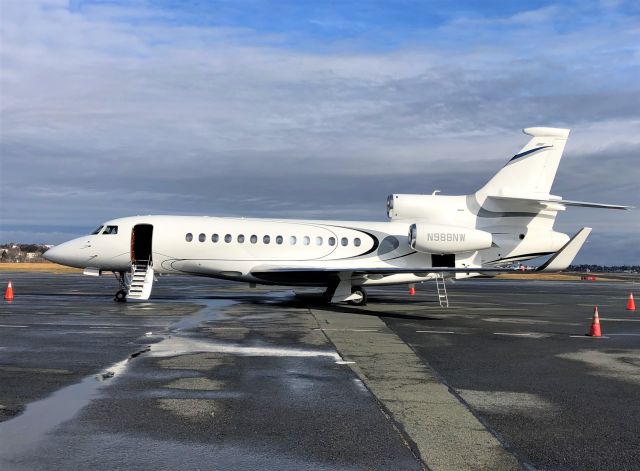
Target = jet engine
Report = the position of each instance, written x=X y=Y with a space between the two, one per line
x=439 y=209
x=412 y=206
x=443 y=239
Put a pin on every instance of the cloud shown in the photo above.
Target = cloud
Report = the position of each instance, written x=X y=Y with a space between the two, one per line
x=110 y=110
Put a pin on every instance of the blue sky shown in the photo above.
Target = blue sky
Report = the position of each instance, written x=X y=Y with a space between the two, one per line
x=309 y=109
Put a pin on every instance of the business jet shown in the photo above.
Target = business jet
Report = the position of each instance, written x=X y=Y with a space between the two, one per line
x=431 y=236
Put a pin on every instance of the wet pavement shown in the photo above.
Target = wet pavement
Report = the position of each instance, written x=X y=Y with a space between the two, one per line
x=213 y=375
x=232 y=381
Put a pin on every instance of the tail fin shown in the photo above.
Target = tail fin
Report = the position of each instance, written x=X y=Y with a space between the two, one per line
x=530 y=173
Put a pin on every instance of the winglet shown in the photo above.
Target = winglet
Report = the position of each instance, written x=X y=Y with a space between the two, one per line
x=563 y=257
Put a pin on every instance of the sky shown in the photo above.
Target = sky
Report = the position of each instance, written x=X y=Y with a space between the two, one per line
x=309 y=109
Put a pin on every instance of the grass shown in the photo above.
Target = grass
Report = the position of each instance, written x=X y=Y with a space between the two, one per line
x=539 y=276
x=567 y=276
x=47 y=267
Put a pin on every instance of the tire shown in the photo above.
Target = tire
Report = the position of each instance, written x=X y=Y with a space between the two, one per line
x=363 y=300
x=121 y=296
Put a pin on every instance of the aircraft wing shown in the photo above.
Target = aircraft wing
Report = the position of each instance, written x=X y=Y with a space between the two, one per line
x=558 y=262
x=378 y=270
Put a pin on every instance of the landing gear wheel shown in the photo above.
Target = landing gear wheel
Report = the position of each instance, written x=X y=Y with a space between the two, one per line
x=121 y=296
x=363 y=300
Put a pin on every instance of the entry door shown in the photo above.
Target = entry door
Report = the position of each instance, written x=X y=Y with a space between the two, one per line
x=141 y=237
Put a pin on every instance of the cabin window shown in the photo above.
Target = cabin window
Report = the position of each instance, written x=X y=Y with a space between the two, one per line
x=97 y=230
x=293 y=240
x=228 y=238
x=357 y=242
x=202 y=237
x=111 y=230
x=240 y=238
x=332 y=241
x=266 y=239
x=344 y=241
x=188 y=237
x=318 y=240
x=279 y=240
x=254 y=239
x=215 y=238
x=306 y=240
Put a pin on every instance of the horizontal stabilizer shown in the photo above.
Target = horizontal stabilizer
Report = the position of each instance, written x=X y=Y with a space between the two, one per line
x=546 y=202
x=587 y=204
x=563 y=257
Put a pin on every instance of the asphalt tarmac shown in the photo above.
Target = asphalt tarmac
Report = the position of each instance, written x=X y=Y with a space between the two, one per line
x=214 y=375
x=516 y=354
x=229 y=381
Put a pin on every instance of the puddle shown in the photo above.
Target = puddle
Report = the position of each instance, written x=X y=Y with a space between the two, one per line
x=178 y=345
x=209 y=312
x=28 y=429
x=40 y=417
x=25 y=430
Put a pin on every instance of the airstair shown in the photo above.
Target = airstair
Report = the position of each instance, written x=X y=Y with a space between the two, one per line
x=141 y=280
x=443 y=299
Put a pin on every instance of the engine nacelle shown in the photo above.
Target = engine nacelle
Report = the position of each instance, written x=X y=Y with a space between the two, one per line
x=439 y=209
x=442 y=239
x=409 y=206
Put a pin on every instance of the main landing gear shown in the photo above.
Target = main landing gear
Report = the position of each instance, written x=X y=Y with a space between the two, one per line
x=121 y=295
x=360 y=291
x=340 y=292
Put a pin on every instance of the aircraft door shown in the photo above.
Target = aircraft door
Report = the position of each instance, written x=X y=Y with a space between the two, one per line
x=141 y=238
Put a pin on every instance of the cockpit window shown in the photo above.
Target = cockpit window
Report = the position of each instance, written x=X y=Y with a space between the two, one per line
x=111 y=230
x=97 y=230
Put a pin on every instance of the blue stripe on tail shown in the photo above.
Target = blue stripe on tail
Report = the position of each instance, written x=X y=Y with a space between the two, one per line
x=531 y=151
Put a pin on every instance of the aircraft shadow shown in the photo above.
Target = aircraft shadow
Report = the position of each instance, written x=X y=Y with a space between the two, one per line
x=317 y=302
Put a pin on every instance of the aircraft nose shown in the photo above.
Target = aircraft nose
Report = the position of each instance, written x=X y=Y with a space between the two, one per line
x=66 y=254
x=57 y=254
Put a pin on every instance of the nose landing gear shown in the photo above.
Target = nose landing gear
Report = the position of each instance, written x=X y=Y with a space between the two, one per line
x=121 y=295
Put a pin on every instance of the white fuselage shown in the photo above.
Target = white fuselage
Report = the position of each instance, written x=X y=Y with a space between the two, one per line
x=248 y=249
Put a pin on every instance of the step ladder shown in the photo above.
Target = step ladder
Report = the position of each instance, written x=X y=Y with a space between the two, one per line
x=141 y=280
x=443 y=299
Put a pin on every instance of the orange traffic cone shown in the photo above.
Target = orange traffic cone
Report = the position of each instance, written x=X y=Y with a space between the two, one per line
x=412 y=290
x=8 y=294
x=595 y=325
x=631 y=304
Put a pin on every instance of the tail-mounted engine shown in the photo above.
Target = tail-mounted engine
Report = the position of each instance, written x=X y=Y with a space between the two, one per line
x=409 y=206
x=443 y=209
x=442 y=239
